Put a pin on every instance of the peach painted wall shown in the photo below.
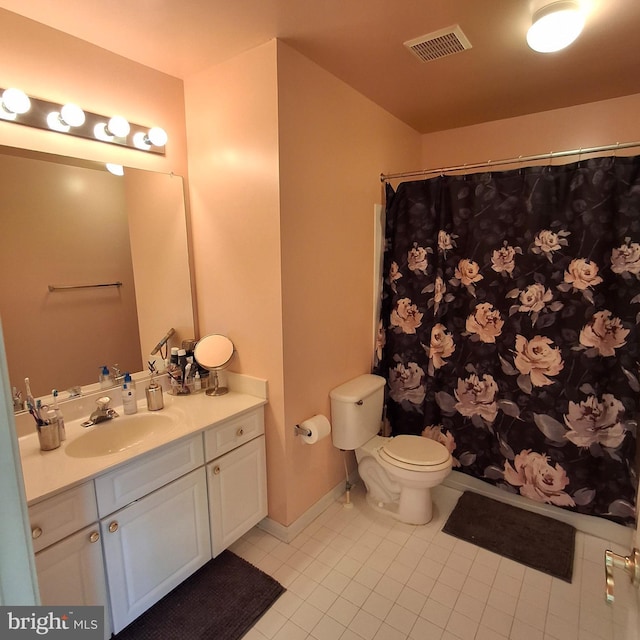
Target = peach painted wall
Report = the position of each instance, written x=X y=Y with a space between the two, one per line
x=284 y=163
x=334 y=143
x=587 y=125
x=232 y=130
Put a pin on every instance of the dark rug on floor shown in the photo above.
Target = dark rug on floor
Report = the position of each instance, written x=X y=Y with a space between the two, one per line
x=221 y=601
x=529 y=538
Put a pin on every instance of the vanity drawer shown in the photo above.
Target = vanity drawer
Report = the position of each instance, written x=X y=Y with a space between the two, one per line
x=138 y=478
x=63 y=514
x=232 y=433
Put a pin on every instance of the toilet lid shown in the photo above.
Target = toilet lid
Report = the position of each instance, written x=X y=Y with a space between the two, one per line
x=415 y=450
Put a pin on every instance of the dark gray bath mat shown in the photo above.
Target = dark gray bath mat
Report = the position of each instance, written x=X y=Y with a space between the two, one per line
x=536 y=541
x=221 y=601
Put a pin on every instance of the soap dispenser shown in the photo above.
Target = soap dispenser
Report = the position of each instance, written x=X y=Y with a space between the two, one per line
x=155 y=399
x=129 y=402
x=105 y=377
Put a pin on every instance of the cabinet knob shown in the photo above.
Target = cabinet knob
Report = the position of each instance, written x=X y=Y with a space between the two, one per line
x=113 y=526
x=94 y=536
x=216 y=470
x=240 y=432
x=36 y=532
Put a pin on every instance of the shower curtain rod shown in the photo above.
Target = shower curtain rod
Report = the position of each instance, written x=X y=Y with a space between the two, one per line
x=490 y=163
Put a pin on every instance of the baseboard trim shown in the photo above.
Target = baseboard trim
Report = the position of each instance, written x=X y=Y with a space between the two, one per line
x=288 y=533
x=598 y=527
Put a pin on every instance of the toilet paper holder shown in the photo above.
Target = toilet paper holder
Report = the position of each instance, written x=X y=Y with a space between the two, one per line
x=302 y=431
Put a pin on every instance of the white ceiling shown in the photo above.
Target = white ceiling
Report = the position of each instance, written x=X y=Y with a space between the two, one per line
x=361 y=42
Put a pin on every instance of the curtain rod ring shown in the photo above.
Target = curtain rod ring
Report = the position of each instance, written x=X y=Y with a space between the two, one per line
x=615 y=154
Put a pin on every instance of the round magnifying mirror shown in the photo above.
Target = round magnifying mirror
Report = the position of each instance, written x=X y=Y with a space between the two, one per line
x=214 y=352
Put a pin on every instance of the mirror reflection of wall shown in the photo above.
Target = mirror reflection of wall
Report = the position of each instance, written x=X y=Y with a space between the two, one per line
x=67 y=224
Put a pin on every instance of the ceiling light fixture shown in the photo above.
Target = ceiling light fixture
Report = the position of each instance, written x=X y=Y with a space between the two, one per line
x=555 y=26
x=17 y=107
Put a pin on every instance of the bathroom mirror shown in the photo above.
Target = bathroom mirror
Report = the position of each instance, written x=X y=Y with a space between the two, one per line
x=214 y=352
x=93 y=268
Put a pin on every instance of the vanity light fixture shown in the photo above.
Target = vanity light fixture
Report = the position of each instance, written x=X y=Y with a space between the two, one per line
x=555 y=26
x=16 y=106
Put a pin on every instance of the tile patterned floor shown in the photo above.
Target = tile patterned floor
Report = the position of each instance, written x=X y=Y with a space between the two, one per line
x=354 y=574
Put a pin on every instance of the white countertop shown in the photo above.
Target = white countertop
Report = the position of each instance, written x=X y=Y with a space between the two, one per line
x=49 y=472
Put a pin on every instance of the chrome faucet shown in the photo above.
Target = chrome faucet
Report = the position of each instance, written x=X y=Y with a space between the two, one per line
x=116 y=374
x=102 y=413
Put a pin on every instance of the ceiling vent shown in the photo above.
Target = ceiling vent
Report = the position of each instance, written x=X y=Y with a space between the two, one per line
x=439 y=44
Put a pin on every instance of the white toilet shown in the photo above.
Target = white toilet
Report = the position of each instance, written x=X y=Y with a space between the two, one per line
x=398 y=472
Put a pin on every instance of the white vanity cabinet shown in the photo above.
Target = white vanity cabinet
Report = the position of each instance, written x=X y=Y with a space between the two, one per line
x=69 y=560
x=158 y=540
x=144 y=524
x=236 y=478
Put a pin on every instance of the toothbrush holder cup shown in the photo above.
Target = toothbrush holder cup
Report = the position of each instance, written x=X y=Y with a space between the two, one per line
x=49 y=436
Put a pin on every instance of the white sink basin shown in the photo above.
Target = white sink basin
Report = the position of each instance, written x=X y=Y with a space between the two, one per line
x=119 y=434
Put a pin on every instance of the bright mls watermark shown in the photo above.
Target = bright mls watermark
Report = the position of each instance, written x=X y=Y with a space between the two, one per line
x=85 y=623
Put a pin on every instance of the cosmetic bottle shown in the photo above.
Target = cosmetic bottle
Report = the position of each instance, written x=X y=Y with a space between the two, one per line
x=59 y=416
x=105 y=377
x=175 y=375
x=197 y=382
x=129 y=402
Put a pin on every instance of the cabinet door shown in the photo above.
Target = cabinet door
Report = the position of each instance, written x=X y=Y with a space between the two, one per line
x=71 y=572
x=154 y=544
x=237 y=493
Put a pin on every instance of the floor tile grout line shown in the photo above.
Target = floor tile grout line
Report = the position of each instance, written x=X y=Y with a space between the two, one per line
x=367 y=523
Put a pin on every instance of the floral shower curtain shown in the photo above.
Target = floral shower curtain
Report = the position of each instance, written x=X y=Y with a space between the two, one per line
x=509 y=327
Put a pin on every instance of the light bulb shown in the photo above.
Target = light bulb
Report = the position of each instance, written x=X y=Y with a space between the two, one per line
x=118 y=127
x=15 y=101
x=555 y=26
x=101 y=133
x=157 y=136
x=72 y=115
x=116 y=169
x=55 y=122
x=141 y=141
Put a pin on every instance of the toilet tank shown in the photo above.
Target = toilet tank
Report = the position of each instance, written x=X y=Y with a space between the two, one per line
x=356 y=411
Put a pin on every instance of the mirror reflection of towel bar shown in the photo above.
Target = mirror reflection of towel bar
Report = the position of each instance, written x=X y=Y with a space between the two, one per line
x=53 y=287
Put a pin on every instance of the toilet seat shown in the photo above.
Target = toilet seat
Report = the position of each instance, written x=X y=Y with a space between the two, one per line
x=415 y=453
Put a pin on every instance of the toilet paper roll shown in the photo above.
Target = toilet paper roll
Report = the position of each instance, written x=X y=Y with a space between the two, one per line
x=319 y=427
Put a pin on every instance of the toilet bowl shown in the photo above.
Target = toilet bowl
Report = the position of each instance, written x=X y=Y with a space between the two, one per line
x=398 y=472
